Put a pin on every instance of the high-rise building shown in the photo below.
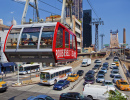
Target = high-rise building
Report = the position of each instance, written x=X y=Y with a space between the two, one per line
x=87 y=29
x=77 y=9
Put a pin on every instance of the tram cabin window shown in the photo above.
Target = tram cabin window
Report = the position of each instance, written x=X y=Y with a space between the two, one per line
x=71 y=42
x=13 y=38
x=47 y=37
x=74 y=45
x=59 y=38
x=66 y=40
x=29 y=38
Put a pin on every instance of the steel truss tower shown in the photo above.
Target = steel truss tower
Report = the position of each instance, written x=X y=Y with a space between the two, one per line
x=102 y=35
x=97 y=22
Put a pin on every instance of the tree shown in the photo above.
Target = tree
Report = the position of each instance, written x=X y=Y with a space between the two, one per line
x=116 y=95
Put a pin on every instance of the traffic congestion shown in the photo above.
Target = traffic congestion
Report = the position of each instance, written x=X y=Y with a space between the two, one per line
x=81 y=83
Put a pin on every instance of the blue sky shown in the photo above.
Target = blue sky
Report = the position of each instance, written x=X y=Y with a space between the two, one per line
x=114 y=13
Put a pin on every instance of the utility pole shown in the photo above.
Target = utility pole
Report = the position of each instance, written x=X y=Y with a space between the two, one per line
x=102 y=35
x=97 y=22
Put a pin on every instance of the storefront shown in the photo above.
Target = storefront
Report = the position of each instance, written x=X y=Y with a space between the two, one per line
x=8 y=67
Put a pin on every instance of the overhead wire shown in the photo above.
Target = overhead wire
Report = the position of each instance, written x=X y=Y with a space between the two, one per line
x=92 y=8
x=59 y=1
x=49 y=5
x=38 y=8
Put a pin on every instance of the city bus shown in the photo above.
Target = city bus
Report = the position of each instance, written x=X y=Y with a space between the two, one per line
x=52 y=76
x=29 y=68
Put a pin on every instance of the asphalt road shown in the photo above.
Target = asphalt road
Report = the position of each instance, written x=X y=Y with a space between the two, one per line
x=21 y=93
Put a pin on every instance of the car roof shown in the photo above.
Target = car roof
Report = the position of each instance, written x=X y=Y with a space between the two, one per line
x=112 y=63
x=108 y=81
x=73 y=93
x=38 y=96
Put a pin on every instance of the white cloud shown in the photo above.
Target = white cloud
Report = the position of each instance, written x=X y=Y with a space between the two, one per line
x=12 y=12
x=24 y=0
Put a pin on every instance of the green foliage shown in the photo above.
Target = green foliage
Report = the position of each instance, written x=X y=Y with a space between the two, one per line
x=116 y=95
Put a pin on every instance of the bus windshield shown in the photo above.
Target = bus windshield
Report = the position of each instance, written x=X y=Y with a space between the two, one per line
x=20 y=68
x=45 y=76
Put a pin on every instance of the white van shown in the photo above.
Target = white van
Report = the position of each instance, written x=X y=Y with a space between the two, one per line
x=86 y=62
x=96 y=91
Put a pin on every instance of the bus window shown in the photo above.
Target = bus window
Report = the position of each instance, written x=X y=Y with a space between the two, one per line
x=74 y=46
x=60 y=72
x=71 y=41
x=63 y=72
x=21 y=68
x=66 y=40
x=52 y=76
x=47 y=76
x=13 y=38
x=59 y=38
x=57 y=74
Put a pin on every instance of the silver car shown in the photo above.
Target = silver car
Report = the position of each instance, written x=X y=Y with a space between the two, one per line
x=104 y=69
x=113 y=73
x=115 y=68
x=109 y=84
x=100 y=78
x=117 y=77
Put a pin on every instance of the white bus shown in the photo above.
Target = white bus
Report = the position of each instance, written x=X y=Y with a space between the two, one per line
x=29 y=68
x=52 y=76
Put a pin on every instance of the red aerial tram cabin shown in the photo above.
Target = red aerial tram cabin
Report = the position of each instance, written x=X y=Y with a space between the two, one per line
x=41 y=42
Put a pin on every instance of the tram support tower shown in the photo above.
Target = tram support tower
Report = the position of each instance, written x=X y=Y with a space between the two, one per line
x=102 y=35
x=97 y=22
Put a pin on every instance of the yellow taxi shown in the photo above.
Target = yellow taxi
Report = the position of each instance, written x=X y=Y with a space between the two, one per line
x=123 y=85
x=3 y=85
x=117 y=64
x=73 y=77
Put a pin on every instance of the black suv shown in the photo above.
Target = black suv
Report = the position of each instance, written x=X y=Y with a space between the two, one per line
x=80 y=72
x=73 y=96
x=90 y=72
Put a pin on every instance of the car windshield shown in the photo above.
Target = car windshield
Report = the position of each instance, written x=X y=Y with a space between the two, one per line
x=103 y=68
x=83 y=62
x=118 y=77
x=115 y=67
x=96 y=66
x=89 y=78
x=100 y=76
x=105 y=64
x=113 y=64
x=108 y=83
x=100 y=72
x=114 y=72
x=79 y=71
x=124 y=83
x=0 y=79
x=47 y=98
x=60 y=82
x=72 y=76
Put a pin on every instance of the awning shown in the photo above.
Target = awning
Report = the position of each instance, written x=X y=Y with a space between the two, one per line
x=8 y=64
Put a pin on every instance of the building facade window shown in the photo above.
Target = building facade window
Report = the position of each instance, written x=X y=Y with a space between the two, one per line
x=59 y=38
